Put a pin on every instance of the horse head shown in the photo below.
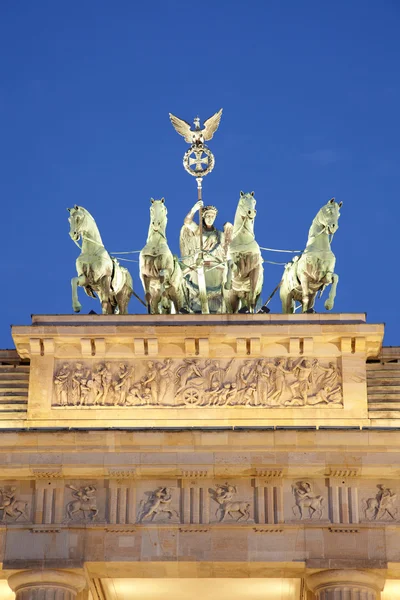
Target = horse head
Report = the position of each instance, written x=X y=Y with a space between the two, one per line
x=328 y=216
x=78 y=221
x=158 y=215
x=246 y=205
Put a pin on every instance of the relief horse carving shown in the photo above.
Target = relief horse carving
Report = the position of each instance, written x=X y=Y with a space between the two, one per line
x=85 y=502
x=313 y=270
x=306 y=499
x=98 y=272
x=160 y=271
x=245 y=270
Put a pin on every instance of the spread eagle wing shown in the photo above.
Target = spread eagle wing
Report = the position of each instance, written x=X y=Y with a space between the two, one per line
x=182 y=127
x=211 y=125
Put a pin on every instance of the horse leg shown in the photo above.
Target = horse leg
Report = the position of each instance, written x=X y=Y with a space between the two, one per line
x=305 y=291
x=254 y=276
x=75 y=282
x=174 y=297
x=104 y=295
x=311 y=301
x=234 y=302
x=123 y=298
x=332 y=293
x=155 y=301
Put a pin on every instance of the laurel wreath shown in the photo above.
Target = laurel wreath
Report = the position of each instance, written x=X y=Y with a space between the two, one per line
x=203 y=172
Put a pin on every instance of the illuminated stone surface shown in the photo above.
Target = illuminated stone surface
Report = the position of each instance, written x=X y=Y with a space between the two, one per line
x=111 y=472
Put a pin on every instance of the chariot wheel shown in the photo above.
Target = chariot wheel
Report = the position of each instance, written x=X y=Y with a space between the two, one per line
x=192 y=396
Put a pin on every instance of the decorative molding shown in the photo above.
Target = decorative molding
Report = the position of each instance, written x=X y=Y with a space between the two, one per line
x=269 y=473
x=123 y=529
x=118 y=473
x=195 y=474
x=343 y=530
x=45 y=529
x=194 y=529
x=268 y=529
x=340 y=472
x=47 y=473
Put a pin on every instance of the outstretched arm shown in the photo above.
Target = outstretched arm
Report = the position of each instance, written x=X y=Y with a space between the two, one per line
x=189 y=217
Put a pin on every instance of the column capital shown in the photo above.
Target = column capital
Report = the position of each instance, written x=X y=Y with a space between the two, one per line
x=324 y=580
x=66 y=580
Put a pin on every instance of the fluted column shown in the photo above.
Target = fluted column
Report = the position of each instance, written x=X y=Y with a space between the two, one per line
x=343 y=584
x=46 y=585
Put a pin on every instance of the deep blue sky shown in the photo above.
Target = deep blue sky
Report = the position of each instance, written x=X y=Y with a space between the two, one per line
x=311 y=98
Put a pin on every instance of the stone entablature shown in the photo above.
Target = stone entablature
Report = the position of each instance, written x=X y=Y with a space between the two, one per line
x=197 y=491
x=198 y=370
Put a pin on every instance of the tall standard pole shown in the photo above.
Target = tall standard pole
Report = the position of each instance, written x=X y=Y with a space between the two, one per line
x=200 y=261
x=198 y=161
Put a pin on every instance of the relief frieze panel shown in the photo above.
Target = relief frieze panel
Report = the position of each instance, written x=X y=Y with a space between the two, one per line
x=12 y=508
x=158 y=504
x=382 y=506
x=242 y=501
x=191 y=382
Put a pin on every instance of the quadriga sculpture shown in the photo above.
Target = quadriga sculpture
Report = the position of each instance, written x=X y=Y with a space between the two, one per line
x=245 y=269
x=98 y=272
x=160 y=271
x=313 y=270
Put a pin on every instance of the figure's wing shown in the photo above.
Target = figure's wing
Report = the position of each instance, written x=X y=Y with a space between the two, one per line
x=182 y=127
x=189 y=244
x=211 y=125
x=228 y=235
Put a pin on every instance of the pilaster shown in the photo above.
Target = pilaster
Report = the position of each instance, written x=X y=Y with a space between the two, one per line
x=46 y=585
x=346 y=584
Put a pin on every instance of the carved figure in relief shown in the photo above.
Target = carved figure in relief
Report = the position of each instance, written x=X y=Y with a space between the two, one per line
x=306 y=499
x=281 y=369
x=78 y=376
x=61 y=382
x=122 y=386
x=244 y=374
x=382 y=505
x=152 y=382
x=303 y=385
x=250 y=395
x=85 y=502
x=328 y=386
x=97 y=384
x=189 y=374
x=215 y=373
x=223 y=495
x=106 y=380
x=165 y=378
x=10 y=506
x=158 y=502
x=86 y=389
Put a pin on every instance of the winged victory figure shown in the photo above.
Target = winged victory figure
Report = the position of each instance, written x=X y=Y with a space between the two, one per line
x=197 y=136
